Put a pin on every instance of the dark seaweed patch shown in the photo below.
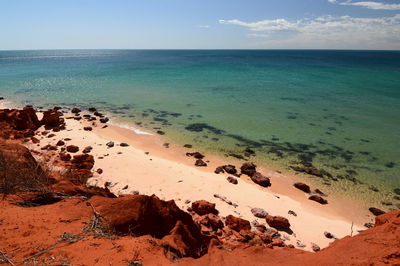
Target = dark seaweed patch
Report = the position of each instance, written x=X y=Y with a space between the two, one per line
x=198 y=127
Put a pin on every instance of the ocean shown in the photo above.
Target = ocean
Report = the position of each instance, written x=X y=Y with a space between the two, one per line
x=334 y=111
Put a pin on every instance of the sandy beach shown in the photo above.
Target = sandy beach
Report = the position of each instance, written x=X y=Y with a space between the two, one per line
x=147 y=167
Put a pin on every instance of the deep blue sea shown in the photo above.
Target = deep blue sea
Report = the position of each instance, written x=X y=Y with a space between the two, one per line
x=336 y=111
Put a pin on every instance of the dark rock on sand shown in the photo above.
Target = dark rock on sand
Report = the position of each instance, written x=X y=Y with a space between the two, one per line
x=328 y=235
x=92 y=109
x=292 y=213
x=123 y=144
x=51 y=118
x=60 y=143
x=75 y=110
x=232 y=180
x=104 y=120
x=196 y=155
x=302 y=187
x=248 y=168
x=230 y=169
x=260 y=179
x=315 y=247
x=110 y=144
x=277 y=222
x=376 y=211
x=87 y=149
x=200 y=162
x=219 y=170
x=72 y=148
x=259 y=212
x=160 y=132
x=318 y=199
x=397 y=191
x=88 y=128
x=188 y=146
x=65 y=157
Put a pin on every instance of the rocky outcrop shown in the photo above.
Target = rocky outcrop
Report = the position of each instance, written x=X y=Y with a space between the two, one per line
x=148 y=215
x=376 y=211
x=52 y=118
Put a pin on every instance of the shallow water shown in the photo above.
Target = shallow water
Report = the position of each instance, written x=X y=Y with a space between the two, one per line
x=337 y=111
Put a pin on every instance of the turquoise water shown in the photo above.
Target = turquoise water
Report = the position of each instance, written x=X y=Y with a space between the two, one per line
x=337 y=111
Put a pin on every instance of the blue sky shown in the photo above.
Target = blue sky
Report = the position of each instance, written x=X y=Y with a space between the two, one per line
x=205 y=24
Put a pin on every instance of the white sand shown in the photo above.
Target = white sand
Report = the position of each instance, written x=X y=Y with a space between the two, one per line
x=169 y=175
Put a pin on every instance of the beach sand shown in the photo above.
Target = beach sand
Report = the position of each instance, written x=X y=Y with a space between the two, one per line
x=171 y=175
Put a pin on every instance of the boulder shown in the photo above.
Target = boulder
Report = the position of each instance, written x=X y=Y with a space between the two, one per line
x=87 y=149
x=72 y=148
x=110 y=144
x=318 y=199
x=230 y=169
x=219 y=170
x=104 y=120
x=302 y=187
x=202 y=207
x=196 y=155
x=248 y=168
x=277 y=222
x=260 y=179
x=83 y=161
x=65 y=157
x=232 y=180
x=200 y=162
x=211 y=220
x=259 y=212
x=92 y=109
x=88 y=128
x=75 y=110
x=60 y=143
x=237 y=224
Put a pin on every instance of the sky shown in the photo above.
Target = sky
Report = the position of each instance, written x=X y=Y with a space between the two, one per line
x=199 y=24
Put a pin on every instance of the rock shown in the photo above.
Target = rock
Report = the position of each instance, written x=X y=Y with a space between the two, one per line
x=230 y=169
x=160 y=132
x=87 y=149
x=83 y=161
x=315 y=247
x=369 y=225
x=88 y=128
x=75 y=110
x=248 y=168
x=277 y=222
x=189 y=146
x=318 y=199
x=65 y=156
x=261 y=228
x=219 y=170
x=302 y=187
x=104 y=120
x=92 y=109
x=51 y=118
x=202 y=207
x=259 y=212
x=211 y=220
x=72 y=148
x=51 y=135
x=260 y=179
x=98 y=114
x=232 y=180
x=60 y=143
x=292 y=213
x=35 y=140
x=1 y=98
x=376 y=211
x=200 y=162
x=123 y=144
x=319 y=192
x=328 y=235
x=396 y=191
x=99 y=171
x=110 y=144
x=196 y=155
x=237 y=224
x=139 y=215
x=23 y=120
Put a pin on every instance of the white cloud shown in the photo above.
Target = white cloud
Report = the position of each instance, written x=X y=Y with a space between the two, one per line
x=368 y=4
x=326 y=32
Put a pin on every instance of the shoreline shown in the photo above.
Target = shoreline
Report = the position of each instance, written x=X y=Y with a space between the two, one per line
x=170 y=174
